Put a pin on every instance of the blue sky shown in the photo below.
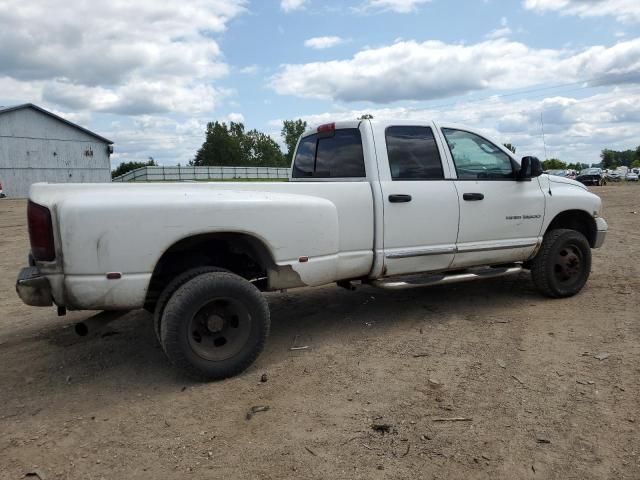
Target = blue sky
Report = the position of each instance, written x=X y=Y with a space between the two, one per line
x=150 y=75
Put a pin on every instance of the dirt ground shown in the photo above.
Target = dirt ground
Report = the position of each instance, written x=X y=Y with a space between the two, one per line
x=522 y=370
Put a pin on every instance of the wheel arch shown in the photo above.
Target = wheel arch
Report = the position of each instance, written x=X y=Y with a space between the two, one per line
x=578 y=220
x=238 y=252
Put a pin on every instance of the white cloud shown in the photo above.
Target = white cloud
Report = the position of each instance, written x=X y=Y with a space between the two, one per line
x=235 y=117
x=136 y=98
x=623 y=10
x=421 y=71
x=503 y=31
x=168 y=140
x=292 y=5
x=398 y=6
x=129 y=58
x=249 y=70
x=576 y=129
x=323 y=42
x=14 y=92
x=498 y=33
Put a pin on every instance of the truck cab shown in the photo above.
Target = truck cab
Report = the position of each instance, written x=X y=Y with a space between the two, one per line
x=444 y=195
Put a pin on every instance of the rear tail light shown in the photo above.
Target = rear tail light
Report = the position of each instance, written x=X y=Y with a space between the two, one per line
x=40 y=232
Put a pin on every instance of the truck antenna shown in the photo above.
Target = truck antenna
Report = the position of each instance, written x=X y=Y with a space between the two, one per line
x=543 y=140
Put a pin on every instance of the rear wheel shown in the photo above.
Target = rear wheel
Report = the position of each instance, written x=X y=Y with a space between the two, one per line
x=215 y=325
x=562 y=266
x=171 y=288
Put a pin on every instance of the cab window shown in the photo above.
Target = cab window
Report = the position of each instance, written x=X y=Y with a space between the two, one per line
x=413 y=153
x=476 y=158
x=337 y=155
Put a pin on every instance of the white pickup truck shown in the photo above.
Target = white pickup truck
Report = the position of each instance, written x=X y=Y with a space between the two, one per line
x=395 y=204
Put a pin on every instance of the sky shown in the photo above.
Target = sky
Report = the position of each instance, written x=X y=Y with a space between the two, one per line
x=149 y=75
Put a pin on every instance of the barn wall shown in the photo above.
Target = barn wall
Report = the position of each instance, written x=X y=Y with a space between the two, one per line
x=37 y=148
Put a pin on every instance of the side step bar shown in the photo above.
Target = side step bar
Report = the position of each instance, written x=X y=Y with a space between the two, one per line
x=415 y=281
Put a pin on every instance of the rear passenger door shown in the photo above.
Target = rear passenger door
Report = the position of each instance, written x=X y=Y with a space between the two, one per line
x=420 y=203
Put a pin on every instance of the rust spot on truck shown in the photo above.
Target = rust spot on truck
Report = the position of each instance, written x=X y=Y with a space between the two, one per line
x=282 y=277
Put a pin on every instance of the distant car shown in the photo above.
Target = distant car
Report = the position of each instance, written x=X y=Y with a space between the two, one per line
x=613 y=176
x=2 y=194
x=631 y=177
x=591 y=176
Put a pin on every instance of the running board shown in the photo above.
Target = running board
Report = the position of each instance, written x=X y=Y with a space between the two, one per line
x=415 y=281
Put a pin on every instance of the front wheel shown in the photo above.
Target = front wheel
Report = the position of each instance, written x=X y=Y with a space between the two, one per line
x=562 y=266
x=215 y=325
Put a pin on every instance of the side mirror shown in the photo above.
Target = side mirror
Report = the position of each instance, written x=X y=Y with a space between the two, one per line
x=536 y=167
x=530 y=167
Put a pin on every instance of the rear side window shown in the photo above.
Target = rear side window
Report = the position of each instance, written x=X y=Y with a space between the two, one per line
x=413 y=153
x=337 y=156
x=303 y=165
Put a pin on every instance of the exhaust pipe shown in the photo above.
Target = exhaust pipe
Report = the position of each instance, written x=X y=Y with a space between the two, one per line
x=98 y=322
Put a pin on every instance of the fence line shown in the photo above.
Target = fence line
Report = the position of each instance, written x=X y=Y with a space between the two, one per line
x=180 y=173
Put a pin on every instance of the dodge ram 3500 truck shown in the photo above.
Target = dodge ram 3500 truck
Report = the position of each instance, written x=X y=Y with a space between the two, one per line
x=394 y=204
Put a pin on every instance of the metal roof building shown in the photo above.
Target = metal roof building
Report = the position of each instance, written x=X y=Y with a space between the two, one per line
x=39 y=146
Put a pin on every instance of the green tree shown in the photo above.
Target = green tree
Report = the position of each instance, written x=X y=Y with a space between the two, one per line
x=614 y=158
x=608 y=159
x=291 y=131
x=129 y=166
x=510 y=147
x=262 y=151
x=230 y=146
x=223 y=146
x=554 y=164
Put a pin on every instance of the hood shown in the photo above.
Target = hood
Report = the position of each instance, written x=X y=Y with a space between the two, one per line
x=567 y=181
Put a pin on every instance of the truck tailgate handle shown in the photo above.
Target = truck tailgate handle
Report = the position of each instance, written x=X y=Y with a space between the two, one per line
x=472 y=197
x=398 y=198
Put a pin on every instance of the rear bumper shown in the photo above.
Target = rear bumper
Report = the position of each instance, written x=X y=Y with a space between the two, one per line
x=601 y=232
x=34 y=289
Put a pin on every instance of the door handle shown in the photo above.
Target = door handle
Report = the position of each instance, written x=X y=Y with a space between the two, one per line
x=398 y=198
x=472 y=197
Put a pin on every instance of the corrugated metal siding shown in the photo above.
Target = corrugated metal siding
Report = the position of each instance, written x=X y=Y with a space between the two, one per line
x=37 y=148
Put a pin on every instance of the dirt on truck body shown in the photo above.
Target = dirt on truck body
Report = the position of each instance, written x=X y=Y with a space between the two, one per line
x=480 y=380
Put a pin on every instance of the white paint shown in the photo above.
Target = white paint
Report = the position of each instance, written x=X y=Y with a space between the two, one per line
x=348 y=229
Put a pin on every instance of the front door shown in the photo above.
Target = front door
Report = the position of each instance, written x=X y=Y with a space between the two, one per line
x=500 y=217
x=419 y=200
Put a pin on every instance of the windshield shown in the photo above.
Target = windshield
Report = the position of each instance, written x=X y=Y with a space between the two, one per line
x=590 y=171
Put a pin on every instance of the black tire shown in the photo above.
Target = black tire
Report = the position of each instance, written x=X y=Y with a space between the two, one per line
x=170 y=289
x=562 y=266
x=215 y=325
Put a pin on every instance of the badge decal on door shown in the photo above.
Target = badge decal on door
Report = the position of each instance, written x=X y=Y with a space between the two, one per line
x=522 y=217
